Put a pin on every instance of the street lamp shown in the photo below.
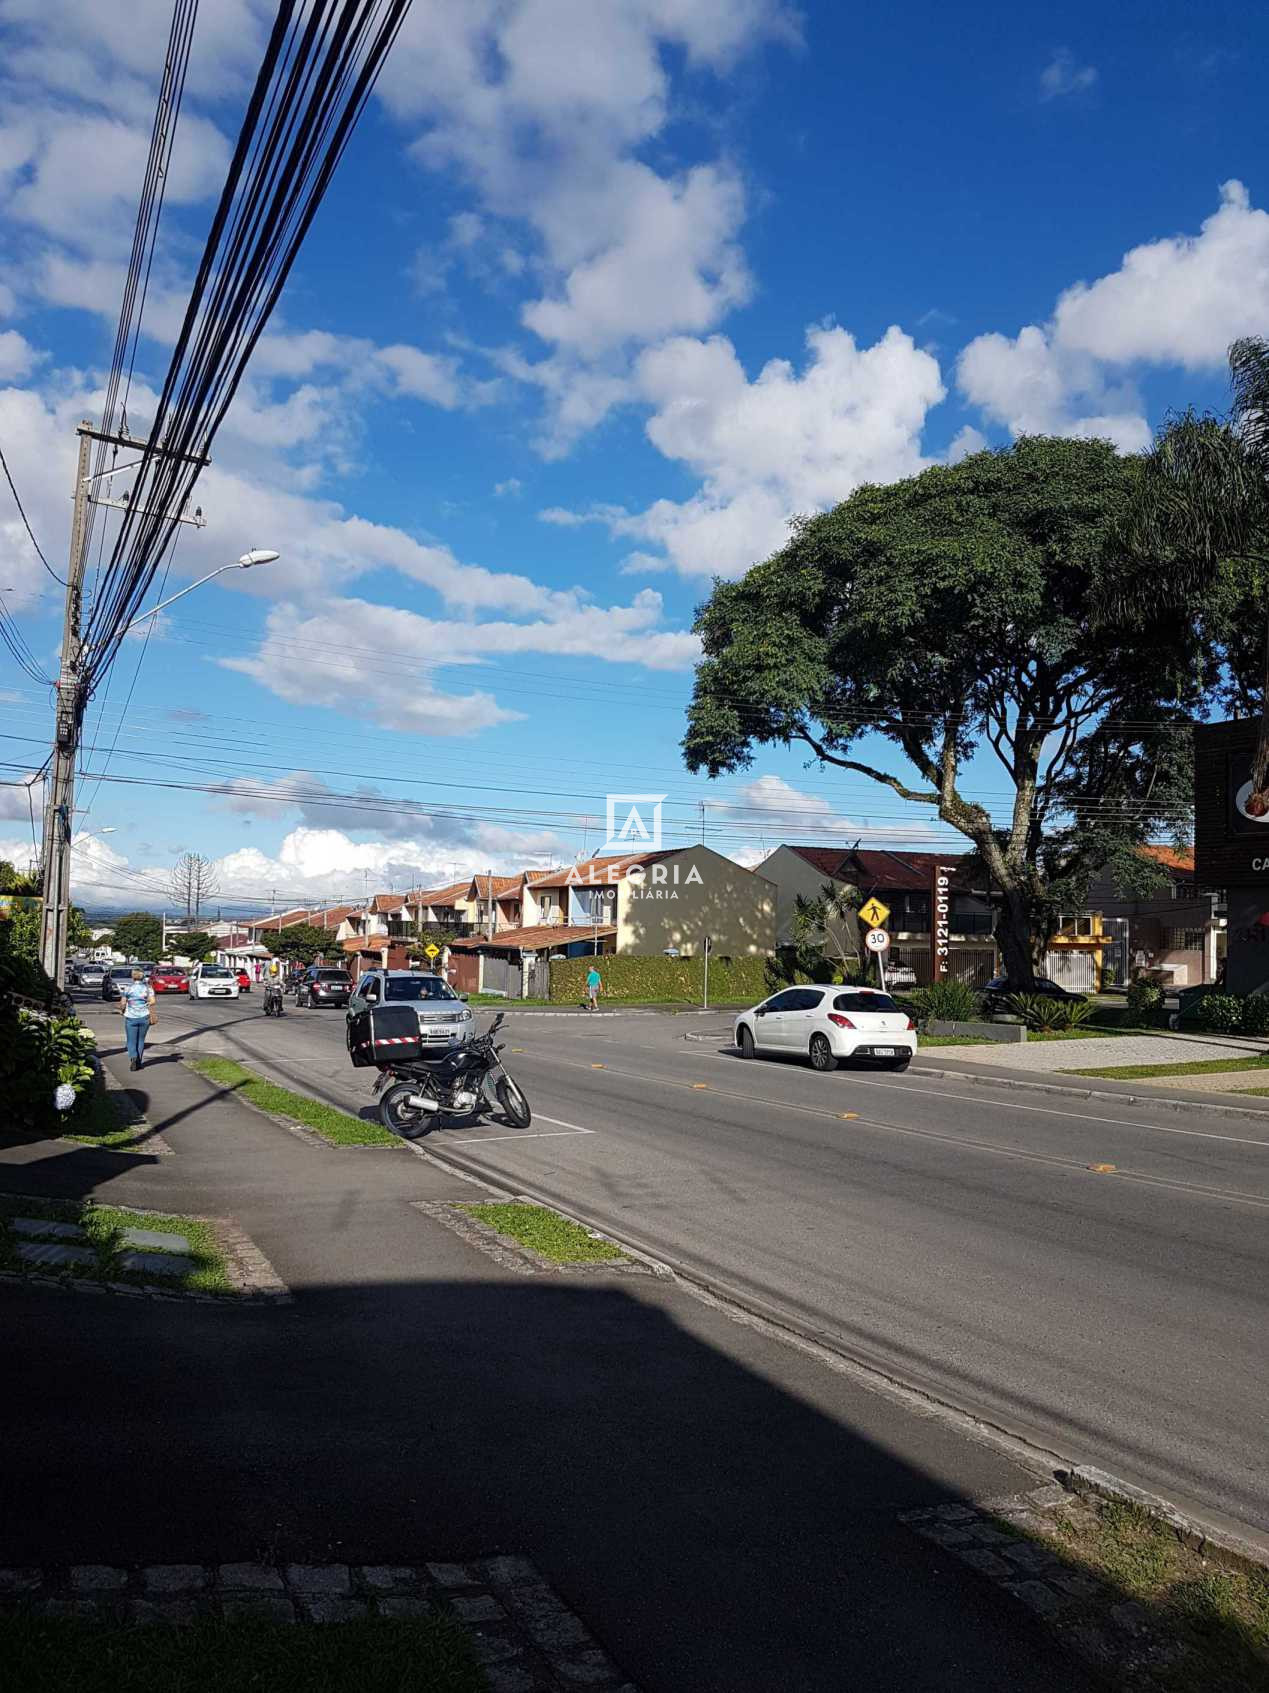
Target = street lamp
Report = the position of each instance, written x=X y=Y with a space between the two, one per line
x=248 y=561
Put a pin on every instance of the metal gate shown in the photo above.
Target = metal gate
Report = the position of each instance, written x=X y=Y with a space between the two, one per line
x=1071 y=969
x=500 y=975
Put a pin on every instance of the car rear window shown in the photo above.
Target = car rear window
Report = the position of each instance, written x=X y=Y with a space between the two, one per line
x=418 y=987
x=864 y=1002
x=217 y=970
x=333 y=976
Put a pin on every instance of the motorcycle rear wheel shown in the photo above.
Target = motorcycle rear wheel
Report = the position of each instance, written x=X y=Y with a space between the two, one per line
x=399 y=1117
x=515 y=1107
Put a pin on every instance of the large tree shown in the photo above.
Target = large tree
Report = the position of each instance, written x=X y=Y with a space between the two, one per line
x=138 y=935
x=192 y=883
x=304 y=942
x=966 y=611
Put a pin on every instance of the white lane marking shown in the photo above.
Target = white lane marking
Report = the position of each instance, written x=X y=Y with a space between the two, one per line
x=561 y=1124
x=551 y=1134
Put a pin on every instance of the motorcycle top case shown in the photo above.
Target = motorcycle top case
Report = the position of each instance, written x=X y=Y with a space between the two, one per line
x=384 y=1034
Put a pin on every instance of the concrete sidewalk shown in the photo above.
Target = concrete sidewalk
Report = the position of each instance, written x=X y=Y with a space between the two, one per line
x=720 y=1509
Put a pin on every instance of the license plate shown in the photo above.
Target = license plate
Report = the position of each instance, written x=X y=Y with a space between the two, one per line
x=884 y=1051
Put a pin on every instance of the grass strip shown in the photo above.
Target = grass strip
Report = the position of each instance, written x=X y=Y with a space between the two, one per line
x=377 y=1655
x=110 y=1119
x=548 y=1233
x=1088 y=1031
x=957 y=1040
x=103 y=1228
x=1199 y=1067
x=1214 y=1621
x=333 y=1125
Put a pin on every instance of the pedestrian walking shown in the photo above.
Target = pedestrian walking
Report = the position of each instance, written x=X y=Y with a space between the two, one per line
x=136 y=1002
x=594 y=982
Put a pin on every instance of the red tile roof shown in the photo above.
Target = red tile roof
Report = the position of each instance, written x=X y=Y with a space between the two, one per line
x=387 y=902
x=332 y=917
x=448 y=895
x=1171 y=858
x=539 y=937
x=284 y=920
x=480 y=885
x=871 y=868
x=599 y=871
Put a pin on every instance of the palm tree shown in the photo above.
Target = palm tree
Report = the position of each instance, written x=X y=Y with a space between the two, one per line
x=1204 y=500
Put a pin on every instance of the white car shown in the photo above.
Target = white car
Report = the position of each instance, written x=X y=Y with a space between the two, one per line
x=828 y=1023
x=213 y=981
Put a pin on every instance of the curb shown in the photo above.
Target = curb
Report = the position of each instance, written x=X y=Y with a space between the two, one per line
x=1160 y=1102
x=1233 y=1551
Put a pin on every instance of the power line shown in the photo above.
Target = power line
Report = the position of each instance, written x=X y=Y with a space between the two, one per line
x=8 y=476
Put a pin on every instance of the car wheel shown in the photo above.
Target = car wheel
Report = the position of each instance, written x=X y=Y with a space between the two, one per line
x=746 y=1041
x=822 y=1054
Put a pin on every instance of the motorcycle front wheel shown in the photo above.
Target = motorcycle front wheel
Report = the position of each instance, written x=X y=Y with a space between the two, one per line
x=515 y=1107
x=399 y=1117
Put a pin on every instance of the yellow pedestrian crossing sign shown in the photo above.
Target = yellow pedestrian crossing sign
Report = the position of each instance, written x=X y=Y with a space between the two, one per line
x=874 y=913
x=431 y=949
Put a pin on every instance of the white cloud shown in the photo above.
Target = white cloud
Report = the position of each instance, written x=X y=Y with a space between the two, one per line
x=17 y=356
x=780 y=444
x=389 y=656
x=423 y=376
x=1177 y=301
x=1065 y=75
x=508 y=489
x=967 y=440
x=19 y=801
x=545 y=107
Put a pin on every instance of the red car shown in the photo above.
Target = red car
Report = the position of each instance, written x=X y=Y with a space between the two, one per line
x=168 y=979
x=244 y=982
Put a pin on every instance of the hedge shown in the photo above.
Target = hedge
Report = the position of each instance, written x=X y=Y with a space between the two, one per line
x=631 y=979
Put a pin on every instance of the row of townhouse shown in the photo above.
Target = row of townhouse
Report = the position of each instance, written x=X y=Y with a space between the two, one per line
x=644 y=903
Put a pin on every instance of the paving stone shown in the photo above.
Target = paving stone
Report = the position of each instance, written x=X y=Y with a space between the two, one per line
x=41 y=1226
x=452 y=1575
x=1029 y=1557
x=550 y=1622
x=947 y=1534
x=1079 y=1586
x=48 y=1252
x=587 y=1669
x=157 y=1239
x=333 y=1607
x=481 y=1607
x=493 y=1648
x=986 y=1535
x=403 y=1605
x=385 y=1577
x=511 y=1678
x=60 y=1608
x=987 y=1563
x=20 y=1581
x=1038 y=1596
x=155 y=1263
x=319 y=1578
x=167 y=1612
x=174 y=1578
x=259 y=1578
x=99 y=1578
x=275 y=1606
x=511 y=1571
x=956 y=1513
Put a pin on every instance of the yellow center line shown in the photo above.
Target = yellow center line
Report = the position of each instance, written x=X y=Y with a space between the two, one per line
x=1050 y=1159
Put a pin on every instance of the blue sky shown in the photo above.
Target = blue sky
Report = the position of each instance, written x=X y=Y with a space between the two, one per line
x=602 y=294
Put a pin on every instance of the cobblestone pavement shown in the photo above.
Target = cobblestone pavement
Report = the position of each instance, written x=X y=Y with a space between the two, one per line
x=1093 y=1053
x=526 y=1639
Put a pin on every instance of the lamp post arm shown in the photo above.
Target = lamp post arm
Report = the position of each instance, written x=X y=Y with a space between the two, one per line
x=172 y=598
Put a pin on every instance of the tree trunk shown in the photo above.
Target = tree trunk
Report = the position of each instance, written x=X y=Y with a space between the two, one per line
x=1013 y=935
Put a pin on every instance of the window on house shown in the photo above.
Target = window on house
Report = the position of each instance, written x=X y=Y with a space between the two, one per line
x=1183 y=940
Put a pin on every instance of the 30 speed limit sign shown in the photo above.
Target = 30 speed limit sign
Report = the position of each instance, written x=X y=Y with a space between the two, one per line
x=876 y=940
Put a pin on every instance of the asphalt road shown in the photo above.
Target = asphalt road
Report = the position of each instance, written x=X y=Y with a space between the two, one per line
x=958 y=1239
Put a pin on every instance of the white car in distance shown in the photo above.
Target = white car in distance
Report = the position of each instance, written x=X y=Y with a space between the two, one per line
x=826 y=1024
x=213 y=981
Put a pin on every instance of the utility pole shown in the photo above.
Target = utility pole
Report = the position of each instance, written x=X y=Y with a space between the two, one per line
x=489 y=890
x=59 y=808
x=59 y=805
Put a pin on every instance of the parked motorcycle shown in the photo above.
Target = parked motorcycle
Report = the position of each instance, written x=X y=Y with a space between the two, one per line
x=273 y=999
x=457 y=1083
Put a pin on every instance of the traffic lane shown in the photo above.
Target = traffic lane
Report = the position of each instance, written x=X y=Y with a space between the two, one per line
x=1040 y=1302
x=1217 y=1153
x=1133 y=1340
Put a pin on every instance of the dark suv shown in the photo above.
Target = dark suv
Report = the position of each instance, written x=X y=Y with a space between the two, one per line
x=320 y=985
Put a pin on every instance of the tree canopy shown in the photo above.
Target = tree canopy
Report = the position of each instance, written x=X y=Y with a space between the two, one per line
x=303 y=942
x=971 y=608
x=195 y=944
x=139 y=934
